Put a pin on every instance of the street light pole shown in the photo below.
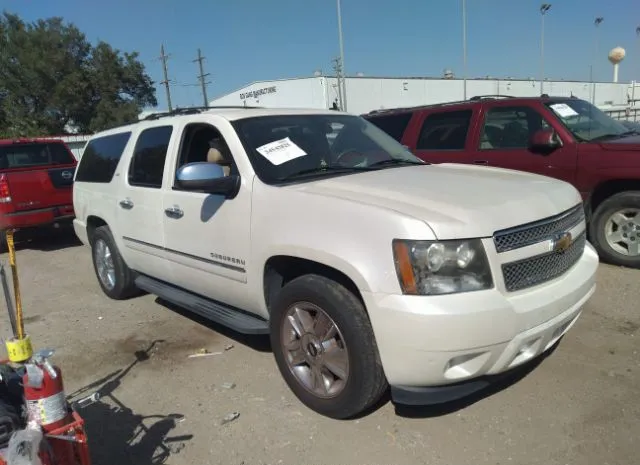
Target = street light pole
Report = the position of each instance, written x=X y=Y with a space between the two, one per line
x=597 y=22
x=344 y=85
x=543 y=11
x=464 y=48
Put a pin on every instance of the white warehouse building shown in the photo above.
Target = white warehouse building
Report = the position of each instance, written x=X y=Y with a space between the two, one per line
x=365 y=94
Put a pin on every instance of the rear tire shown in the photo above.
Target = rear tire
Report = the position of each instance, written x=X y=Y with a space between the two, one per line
x=116 y=279
x=325 y=348
x=615 y=229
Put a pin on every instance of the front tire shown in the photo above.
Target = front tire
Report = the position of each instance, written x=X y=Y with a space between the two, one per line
x=325 y=348
x=114 y=276
x=615 y=229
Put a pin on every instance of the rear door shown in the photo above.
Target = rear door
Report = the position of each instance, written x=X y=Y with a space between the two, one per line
x=503 y=141
x=443 y=136
x=140 y=213
x=40 y=174
x=393 y=124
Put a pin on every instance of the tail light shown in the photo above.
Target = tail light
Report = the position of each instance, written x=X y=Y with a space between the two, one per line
x=5 y=192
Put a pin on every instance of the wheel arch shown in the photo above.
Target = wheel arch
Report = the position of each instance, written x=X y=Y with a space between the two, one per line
x=94 y=222
x=281 y=269
x=607 y=189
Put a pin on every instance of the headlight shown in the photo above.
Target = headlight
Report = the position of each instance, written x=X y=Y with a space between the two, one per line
x=441 y=267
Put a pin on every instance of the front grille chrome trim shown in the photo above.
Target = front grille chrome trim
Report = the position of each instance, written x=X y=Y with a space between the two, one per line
x=537 y=231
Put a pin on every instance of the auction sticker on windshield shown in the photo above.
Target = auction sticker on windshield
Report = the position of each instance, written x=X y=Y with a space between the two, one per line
x=563 y=110
x=281 y=151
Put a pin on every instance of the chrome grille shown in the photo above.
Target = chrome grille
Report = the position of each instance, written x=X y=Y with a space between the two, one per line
x=527 y=234
x=539 y=269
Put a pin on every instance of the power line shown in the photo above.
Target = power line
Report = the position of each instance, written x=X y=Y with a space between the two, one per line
x=201 y=77
x=164 y=59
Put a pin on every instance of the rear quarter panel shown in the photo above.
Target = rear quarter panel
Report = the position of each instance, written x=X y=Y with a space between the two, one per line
x=101 y=199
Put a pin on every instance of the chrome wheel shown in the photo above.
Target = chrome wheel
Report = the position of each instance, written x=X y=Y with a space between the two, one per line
x=622 y=232
x=314 y=350
x=104 y=264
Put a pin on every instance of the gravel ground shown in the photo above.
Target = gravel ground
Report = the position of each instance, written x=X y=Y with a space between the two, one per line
x=578 y=406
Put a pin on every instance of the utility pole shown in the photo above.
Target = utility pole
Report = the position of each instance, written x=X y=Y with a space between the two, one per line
x=337 y=66
x=344 y=84
x=464 y=49
x=543 y=11
x=201 y=77
x=164 y=59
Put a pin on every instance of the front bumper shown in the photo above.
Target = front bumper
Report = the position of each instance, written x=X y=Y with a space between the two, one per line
x=449 y=341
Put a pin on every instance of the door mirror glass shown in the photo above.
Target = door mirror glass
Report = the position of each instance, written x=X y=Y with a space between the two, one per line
x=544 y=140
x=208 y=178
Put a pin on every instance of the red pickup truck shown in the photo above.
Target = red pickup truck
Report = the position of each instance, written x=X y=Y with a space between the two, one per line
x=36 y=183
x=560 y=137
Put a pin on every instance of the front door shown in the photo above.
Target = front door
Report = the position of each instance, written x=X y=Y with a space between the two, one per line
x=207 y=236
x=503 y=141
x=139 y=207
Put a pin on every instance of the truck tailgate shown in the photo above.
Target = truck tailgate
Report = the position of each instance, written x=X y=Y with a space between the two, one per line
x=40 y=188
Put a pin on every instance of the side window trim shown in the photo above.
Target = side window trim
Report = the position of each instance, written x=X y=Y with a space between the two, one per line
x=135 y=154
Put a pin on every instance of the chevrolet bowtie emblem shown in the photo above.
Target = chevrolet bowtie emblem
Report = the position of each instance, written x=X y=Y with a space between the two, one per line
x=561 y=242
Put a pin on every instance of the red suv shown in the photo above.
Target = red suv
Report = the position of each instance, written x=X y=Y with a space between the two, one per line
x=561 y=137
x=36 y=183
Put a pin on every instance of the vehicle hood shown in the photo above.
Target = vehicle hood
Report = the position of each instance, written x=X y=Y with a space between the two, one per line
x=456 y=201
x=629 y=143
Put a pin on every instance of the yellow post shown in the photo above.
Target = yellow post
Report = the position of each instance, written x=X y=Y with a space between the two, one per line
x=16 y=284
x=19 y=349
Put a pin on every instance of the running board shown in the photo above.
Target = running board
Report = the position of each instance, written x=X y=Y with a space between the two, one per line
x=217 y=312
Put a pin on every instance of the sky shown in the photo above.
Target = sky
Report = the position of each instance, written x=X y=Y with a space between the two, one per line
x=252 y=40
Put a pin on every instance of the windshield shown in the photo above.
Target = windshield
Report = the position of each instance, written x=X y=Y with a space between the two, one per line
x=585 y=121
x=289 y=147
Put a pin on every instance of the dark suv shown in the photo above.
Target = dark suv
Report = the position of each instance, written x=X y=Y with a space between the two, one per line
x=561 y=137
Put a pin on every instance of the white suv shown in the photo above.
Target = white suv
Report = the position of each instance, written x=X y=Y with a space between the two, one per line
x=366 y=266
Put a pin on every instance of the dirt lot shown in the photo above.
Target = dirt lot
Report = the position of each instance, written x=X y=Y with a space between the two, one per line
x=579 y=406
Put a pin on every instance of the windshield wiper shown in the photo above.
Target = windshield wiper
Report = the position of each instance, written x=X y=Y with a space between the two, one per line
x=325 y=169
x=396 y=161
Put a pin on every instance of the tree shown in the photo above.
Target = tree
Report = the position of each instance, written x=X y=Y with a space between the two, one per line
x=53 y=80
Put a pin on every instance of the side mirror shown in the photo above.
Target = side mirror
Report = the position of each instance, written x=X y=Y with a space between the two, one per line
x=545 y=140
x=208 y=178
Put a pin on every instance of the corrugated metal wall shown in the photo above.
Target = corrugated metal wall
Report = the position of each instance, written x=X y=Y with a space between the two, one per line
x=76 y=143
x=366 y=94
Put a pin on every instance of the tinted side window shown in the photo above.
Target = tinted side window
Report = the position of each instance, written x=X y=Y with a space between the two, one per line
x=394 y=125
x=510 y=127
x=147 y=164
x=100 y=158
x=60 y=154
x=445 y=131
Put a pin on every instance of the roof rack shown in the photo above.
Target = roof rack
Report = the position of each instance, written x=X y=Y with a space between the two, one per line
x=416 y=107
x=190 y=111
x=490 y=96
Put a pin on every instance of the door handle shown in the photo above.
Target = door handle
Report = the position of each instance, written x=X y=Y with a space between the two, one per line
x=126 y=204
x=481 y=162
x=174 y=212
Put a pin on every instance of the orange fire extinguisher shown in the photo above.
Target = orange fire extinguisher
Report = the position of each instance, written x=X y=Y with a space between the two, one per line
x=46 y=401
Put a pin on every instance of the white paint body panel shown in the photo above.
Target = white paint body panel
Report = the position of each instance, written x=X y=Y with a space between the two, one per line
x=348 y=223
